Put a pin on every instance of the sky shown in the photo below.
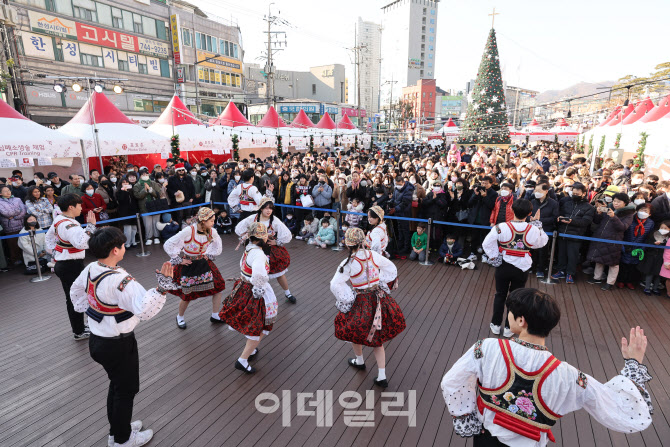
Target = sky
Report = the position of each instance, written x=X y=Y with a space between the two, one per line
x=543 y=45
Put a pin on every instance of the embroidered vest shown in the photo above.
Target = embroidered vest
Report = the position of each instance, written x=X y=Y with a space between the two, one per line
x=518 y=404
x=245 y=198
x=98 y=309
x=61 y=244
x=517 y=245
x=246 y=268
x=368 y=267
x=194 y=248
x=384 y=237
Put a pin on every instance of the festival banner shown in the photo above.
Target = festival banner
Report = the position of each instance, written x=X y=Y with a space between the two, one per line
x=106 y=38
x=176 y=38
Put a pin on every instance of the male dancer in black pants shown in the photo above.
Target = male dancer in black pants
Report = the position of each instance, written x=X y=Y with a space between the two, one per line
x=508 y=246
x=67 y=242
x=115 y=303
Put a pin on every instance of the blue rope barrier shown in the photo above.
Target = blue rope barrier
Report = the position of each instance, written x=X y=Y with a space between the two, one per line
x=169 y=210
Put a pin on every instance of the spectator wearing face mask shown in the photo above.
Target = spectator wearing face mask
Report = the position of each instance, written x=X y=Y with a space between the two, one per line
x=548 y=209
x=612 y=223
x=30 y=222
x=146 y=191
x=358 y=188
x=638 y=232
x=322 y=193
x=39 y=207
x=340 y=198
x=435 y=206
x=575 y=217
x=90 y=201
x=18 y=190
x=12 y=212
x=502 y=210
x=198 y=186
x=418 y=196
x=660 y=206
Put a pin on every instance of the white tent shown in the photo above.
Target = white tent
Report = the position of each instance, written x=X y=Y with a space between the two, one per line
x=21 y=138
x=116 y=133
x=177 y=119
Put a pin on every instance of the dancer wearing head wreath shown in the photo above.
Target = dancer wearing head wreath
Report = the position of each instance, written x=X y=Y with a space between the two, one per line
x=192 y=252
x=377 y=238
x=368 y=315
x=251 y=308
x=278 y=236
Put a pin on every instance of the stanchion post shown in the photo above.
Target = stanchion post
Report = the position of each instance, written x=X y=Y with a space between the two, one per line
x=547 y=279
x=428 y=232
x=139 y=231
x=337 y=247
x=39 y=278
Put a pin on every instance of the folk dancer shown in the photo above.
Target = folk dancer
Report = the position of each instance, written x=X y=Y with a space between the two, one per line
x=512 y=392
x=377 y=238
x=245 y=197
x=368 y=315
x=192 y=252
x=278 y=236
x=251 y=308
x=67 y=241
x=115 y=304
x=508 y=245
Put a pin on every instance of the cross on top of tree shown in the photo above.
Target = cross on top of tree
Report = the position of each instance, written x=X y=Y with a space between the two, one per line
x=494 y=14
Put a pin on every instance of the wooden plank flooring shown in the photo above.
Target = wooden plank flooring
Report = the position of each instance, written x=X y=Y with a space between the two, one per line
x=53 y=394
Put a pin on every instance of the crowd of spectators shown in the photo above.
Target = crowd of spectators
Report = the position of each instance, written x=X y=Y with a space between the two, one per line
x=465 y=185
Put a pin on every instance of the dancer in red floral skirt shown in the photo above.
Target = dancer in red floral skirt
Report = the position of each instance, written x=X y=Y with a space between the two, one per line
x=251 y=309
x=192 y=252
x=368 y=315
x=278 y=236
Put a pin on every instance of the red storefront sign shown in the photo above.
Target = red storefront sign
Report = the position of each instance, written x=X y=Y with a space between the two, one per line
x=106 y=38
x=352 y=112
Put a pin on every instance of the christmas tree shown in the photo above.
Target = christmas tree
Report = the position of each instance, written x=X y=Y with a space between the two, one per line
x=486 y=118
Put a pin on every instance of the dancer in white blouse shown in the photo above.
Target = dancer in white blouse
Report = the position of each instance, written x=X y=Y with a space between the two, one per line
x=251 y=308
x=368 y=314
x=377 y=238
x=278 y=236
x=115 y=304
x=192 y=252
x=511 y=392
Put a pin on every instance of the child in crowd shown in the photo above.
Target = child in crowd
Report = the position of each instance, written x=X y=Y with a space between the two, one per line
x=331 y=219
x=355 y=206
x=652 y=263
x=309 y=228
x=224 y=224
x=345 y=227
x=291 y=223
x=419 y=243
x=167 y=227
x=450 y=250
x=326 y=235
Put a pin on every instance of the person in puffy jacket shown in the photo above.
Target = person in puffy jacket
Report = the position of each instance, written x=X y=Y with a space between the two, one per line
x=12 y=212
x=326 y=234
x=638 y=232
x=401 y=206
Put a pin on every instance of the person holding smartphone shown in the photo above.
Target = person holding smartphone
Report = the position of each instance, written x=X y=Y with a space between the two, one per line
x=575 y=216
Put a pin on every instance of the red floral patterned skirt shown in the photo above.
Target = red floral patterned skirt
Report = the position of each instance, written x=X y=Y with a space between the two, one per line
x=198 y=279
x=243 y=312
x=354 y=326
x=279 y=259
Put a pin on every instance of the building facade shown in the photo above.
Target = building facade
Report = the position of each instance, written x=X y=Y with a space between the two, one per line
x=131 y=43
x=408 y=45
x=418 y=104
x=520 y=104
x=369 y=39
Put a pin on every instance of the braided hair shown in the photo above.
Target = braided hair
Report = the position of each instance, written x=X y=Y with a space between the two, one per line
x=260 y=212
x=353 y=249
x=261 y=243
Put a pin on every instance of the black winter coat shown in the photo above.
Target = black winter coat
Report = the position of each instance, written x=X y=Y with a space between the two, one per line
x=548 y=213
x=402 y=200
x=653 y=257
x=660 y=209
x=127 y=205
x=435 y=206
x=581 y=214
x=611 y=228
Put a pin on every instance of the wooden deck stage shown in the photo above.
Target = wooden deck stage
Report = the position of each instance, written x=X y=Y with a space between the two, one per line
x=53 y=394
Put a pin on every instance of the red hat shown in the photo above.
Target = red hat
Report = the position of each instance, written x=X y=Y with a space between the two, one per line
x=179 y=166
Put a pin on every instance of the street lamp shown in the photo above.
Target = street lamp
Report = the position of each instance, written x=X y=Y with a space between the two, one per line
x=197 y=79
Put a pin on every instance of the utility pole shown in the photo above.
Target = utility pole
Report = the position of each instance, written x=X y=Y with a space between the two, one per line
x=271 y=50
x=357 y=62
x=389 y=119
